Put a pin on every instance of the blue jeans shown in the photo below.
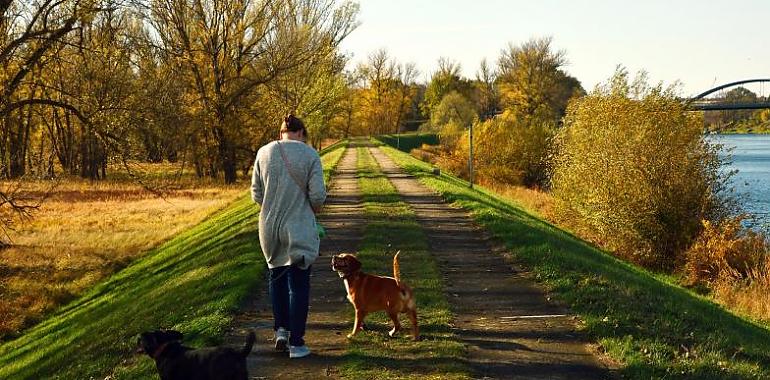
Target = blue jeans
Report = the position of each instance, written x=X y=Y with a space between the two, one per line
x=289 y=289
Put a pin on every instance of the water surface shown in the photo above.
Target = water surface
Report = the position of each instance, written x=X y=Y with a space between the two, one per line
x=751 y=157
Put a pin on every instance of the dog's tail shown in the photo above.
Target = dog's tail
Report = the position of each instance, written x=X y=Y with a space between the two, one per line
x=396 y=269
x=249 y=343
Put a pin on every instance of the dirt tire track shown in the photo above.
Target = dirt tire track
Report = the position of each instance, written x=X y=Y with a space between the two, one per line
x=489 y=296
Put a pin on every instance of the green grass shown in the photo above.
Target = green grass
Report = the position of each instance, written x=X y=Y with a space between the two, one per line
x=408 y=141
x=193 y=283
x=391 y=227
x=330 y=156
x=651 y=326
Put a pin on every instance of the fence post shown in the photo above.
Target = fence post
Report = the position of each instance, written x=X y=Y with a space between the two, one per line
x=470 y=156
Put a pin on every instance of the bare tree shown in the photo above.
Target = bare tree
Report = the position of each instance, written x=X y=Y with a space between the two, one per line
x=228 y=49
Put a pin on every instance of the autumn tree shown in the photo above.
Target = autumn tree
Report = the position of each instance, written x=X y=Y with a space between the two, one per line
x=386 y=93
x=731 y=118
x=486 y=89
x=532 y=81
x=29 y=33
x=314 y=91
x=227 y=50
x=634 y=170
x=451 y=117
x=445 y=80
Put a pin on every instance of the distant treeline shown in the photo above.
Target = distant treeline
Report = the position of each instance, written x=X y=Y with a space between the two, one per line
x=739 y=121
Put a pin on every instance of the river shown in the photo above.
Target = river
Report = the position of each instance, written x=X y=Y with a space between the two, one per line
x=751 y=157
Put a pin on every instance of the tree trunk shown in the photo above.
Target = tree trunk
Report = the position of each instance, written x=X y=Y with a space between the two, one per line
x=18 y=146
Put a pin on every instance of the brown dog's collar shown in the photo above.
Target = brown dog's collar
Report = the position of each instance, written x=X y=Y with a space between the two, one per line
x=159 y=350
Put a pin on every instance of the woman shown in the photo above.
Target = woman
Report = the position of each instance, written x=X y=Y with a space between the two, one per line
x=288 y=184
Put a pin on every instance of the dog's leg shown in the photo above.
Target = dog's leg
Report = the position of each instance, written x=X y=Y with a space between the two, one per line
x=357 y=325
x=413 y=319
x=396 y=324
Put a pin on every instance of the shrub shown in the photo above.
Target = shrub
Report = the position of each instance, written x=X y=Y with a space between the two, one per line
x=509 y=149
x=408 y=141
x=634 y=171
x=724 y=252
x=451 y=117
x=748 y=295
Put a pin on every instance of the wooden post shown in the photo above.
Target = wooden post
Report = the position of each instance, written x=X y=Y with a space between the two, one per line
x=470 y=156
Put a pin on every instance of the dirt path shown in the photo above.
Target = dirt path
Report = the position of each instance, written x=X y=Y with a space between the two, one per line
x=328 y=322
x=508 y=325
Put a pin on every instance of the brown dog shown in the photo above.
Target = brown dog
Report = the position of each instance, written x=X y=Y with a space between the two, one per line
x=370 y=293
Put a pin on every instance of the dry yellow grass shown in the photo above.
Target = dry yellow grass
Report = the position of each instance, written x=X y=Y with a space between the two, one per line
x=86 y=231
x=749 y=297
x=534 y=201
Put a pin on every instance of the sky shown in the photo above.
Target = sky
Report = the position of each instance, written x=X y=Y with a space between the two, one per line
x=699 y=43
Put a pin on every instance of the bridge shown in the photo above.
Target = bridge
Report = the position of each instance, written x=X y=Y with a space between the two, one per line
x=701 y=103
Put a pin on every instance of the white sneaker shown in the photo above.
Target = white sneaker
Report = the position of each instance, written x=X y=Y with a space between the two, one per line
x=281 y=339
x=296 y=352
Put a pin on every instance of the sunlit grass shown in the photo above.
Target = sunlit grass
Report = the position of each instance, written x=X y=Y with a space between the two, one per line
x=192 y=283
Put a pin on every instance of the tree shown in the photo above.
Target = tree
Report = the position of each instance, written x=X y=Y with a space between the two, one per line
x=451 y=117
x=729 y=118
x=30 y=33
x=531 y=79
x=445 y=80
x=227 y=50
x=385 y=94
x=634 y=170
x=488 y=94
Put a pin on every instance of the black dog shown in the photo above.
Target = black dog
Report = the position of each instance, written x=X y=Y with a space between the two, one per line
x=177 y=362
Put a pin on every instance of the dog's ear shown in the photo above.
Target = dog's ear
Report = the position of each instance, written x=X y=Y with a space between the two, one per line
x=171 y=335
x=354 y=263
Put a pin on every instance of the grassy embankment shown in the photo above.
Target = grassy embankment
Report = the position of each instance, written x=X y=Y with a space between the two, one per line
x=373 y=355
x=84 y=232
x=653 y=327
x=192 y=283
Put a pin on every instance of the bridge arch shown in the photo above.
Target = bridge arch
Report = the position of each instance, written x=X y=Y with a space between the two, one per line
x=698 y=102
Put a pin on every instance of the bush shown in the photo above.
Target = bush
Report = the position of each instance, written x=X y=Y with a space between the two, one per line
x=451 y=117
x=725 y=252
x=748 y=295
x=634 y=171
x=509 y=149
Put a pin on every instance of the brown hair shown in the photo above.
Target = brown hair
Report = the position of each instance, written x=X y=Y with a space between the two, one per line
x=292 y=123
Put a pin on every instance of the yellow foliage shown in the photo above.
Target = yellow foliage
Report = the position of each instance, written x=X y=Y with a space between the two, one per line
x=509 y=149
x=634 y=171
x=724 y=251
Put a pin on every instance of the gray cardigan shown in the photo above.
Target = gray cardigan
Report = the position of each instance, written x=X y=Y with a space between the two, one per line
x=287 y=230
